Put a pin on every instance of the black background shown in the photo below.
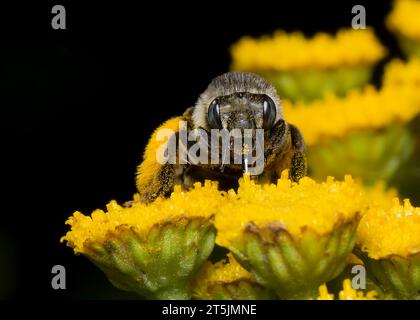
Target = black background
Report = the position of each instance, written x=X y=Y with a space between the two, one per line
x=78 y=105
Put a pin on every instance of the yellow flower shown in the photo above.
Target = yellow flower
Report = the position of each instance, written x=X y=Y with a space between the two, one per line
x=399 y=73
x=388 y=242
x=395 y=230
x=297 y=207
x=201 y=201
x=223 y=271
x=348 y=293
x=404 y=18
x=285 y=52
x=228 y=280
x=154 y=250
x=291 y=236
x=335 y=117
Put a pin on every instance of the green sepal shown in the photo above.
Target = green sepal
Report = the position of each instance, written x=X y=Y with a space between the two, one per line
x=294 y=268
x=160 y=265
x=336 y=284
x=396 y=276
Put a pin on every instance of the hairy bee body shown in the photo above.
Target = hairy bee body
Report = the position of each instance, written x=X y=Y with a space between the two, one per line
x=235 y=100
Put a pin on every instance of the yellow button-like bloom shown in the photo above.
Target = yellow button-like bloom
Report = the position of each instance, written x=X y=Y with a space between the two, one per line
x=335 y=117
x=154 y=250
x=384 y=232
x=222 y=271
x=228 y=280
x=201 y=201
x=348 y=293
x=399 y=73
x=389 y=245
x=291 y=236
x=295 y=207
x=404 y=18
x=285 y=52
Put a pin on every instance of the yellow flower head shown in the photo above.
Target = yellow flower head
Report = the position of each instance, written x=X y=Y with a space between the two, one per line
x=225 y=271
x=335 y=117
x=395 y=230
x=404 y=18
x=399 y=73
x=285 y=52
x=348 y=293
x=201 y=201
x=296 y=207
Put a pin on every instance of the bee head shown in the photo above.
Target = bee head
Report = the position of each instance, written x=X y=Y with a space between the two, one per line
x=238 y=100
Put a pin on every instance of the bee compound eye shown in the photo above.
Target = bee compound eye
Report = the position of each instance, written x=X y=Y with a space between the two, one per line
x=215 y=122
x=269 y=113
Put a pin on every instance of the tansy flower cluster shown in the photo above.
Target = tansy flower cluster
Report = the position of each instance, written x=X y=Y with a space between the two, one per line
x=286 y=238
x=334 y=117
x=404 y=18
x=285 y=52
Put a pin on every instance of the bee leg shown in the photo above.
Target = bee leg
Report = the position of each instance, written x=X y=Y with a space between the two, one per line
x=162 y=184
x=275 y=142
x=284 y=148
x=298 y=165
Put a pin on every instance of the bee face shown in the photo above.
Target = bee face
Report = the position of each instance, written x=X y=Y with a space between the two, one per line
x=242 y=110
x=238 y=100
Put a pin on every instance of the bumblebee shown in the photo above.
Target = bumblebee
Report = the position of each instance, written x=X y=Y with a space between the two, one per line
x=234 y=100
